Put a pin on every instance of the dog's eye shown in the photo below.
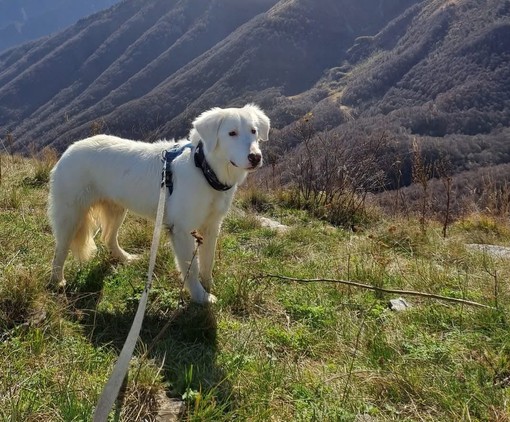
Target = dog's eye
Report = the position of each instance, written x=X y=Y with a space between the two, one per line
x=232 y=133
x=253 y=131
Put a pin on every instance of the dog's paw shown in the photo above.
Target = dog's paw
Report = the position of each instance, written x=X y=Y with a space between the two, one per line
x=198 y=293
x=123 y=257
x=204 y=298
x=211 y=298
x=130 y=257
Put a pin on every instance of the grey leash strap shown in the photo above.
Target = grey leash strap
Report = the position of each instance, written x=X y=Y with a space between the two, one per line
x=112 y=387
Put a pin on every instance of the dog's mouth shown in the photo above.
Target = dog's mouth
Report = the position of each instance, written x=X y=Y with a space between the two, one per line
x=250 y=169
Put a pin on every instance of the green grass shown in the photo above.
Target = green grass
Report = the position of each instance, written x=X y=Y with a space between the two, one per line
x=268 y=350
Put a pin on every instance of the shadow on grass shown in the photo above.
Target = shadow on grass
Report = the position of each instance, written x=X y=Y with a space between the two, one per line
x=186 y=343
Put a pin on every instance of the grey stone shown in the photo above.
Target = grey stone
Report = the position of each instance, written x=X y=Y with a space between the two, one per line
x=399 y=304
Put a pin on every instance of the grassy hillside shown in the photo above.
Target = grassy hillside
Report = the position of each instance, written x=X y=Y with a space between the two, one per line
x=268 y=350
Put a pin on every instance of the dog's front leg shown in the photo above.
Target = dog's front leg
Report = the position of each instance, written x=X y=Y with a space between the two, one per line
x=207 y=252
x=183 y=245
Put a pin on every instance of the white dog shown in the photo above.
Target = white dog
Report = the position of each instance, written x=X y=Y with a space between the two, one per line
x=98 y=179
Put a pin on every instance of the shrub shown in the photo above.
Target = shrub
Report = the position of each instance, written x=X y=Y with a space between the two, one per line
x=331 y=176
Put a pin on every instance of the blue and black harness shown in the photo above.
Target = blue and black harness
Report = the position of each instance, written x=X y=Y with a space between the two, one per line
x=171 y=154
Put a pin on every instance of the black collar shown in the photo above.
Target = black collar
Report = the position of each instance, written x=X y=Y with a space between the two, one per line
x=209 y=174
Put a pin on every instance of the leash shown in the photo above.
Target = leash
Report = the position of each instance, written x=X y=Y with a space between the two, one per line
x=112 y=387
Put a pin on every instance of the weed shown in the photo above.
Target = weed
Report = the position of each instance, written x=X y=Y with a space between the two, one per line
x=20 y=297
x=241 y=223
x=255 y=200
x=11 y=199
x=483 y=228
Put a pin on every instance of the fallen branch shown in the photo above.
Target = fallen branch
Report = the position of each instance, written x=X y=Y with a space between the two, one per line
x=378 y=289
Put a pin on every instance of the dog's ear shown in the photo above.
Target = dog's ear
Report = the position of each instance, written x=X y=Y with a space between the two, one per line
x=263 y=122
x=207 y=125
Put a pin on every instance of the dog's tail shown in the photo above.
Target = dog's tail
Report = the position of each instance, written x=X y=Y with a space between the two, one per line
x=83 y=245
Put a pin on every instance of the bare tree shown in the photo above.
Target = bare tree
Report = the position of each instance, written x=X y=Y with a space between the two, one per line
x=332 y=175
x=422 y=172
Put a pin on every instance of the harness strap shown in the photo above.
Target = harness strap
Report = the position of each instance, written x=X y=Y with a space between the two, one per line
x=168 y=156
x=112 y=387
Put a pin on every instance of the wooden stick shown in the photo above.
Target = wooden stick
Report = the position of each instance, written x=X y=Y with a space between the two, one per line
x=378 y=289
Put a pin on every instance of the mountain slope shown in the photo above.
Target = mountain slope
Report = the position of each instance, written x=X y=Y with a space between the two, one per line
x=437 y=75
x=146 y=69
x=429 y=69
x=451 y=77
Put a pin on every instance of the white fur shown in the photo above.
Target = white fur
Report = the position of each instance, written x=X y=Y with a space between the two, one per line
x=99 y=178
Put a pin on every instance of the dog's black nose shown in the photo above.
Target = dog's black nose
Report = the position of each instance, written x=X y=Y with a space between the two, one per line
x=254 y=159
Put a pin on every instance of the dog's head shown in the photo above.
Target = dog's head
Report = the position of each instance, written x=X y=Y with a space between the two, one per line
x=233 y=134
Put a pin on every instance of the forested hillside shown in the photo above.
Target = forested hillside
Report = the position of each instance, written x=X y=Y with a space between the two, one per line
x=432 y=71
x=145 y=68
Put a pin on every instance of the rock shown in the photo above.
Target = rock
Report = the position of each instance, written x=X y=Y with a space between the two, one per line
x=170 y=409
x=272 y=224
x=365 y=418
x=492 y=250
x=398 y=304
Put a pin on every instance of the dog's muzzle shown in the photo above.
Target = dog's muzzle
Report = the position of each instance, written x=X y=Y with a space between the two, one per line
x=255 y=159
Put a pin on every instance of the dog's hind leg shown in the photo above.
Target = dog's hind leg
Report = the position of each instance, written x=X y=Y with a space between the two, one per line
x=57 y=270
x=183 y=245
x=111 y=217
x=71 y=231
